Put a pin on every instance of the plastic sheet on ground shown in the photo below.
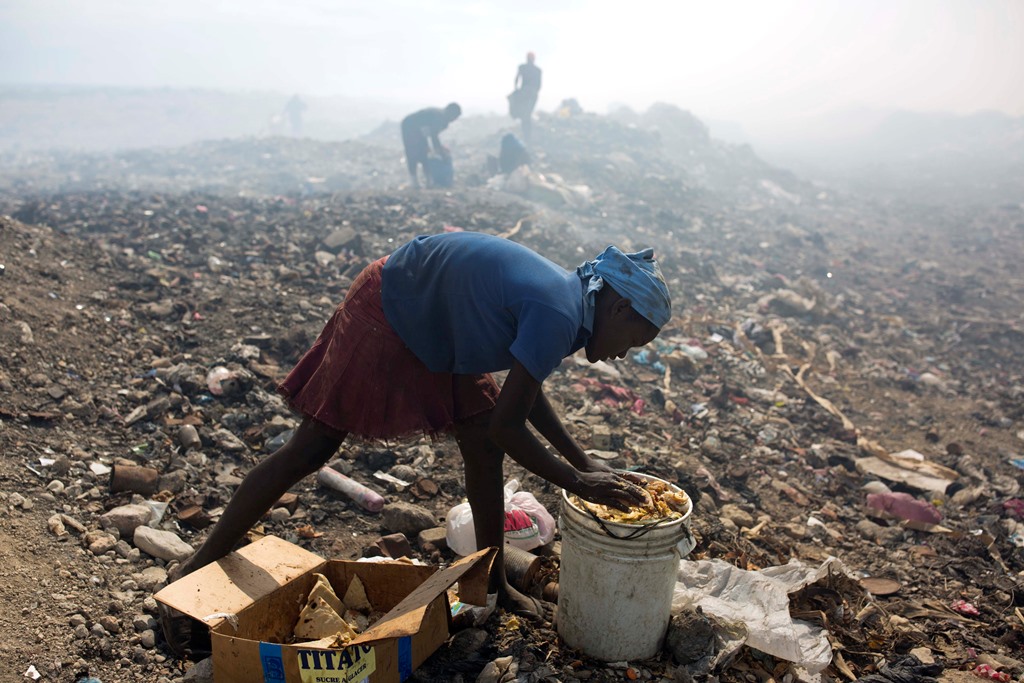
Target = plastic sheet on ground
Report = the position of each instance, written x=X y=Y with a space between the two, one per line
x=760 y=601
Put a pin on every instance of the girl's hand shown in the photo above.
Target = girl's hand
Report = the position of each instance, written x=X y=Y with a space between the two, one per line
x=611 y=489
x=592 y=465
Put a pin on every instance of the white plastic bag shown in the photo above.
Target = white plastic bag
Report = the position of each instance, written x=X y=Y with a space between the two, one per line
x=528 y=524
x=461 y=534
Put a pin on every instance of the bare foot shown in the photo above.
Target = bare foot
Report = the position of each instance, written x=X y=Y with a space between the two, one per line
x=527 y=606
x=181 y=569
x=186 y=637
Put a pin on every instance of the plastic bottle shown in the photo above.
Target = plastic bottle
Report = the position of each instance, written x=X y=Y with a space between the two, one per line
x=366 y=498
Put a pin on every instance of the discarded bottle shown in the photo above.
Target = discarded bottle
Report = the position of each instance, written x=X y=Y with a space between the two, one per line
x=366 y=498
x=142 y=480
x=188 y=437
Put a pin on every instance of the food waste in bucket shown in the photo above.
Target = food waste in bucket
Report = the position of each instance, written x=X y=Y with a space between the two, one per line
x=618 y=572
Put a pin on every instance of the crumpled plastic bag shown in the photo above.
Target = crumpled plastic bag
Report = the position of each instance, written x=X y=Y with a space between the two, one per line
x=760 y=601
x=528 y=524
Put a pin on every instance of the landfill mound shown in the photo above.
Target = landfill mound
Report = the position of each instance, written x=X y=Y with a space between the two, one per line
x=840 y=385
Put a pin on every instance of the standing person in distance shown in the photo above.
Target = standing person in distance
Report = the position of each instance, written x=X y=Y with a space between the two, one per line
x=524 y=98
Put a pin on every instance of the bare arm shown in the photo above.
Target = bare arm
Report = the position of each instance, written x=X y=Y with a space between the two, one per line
x=508 y=430
x=545 y=421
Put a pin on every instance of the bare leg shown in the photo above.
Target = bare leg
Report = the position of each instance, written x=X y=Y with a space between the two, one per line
x=308 y=449
x=413 y=165
x=482 y=460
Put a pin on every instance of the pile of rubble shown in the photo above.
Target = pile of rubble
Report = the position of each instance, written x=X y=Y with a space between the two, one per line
x=840 y=381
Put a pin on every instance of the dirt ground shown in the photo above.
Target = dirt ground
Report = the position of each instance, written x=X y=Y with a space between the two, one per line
x=814 y=335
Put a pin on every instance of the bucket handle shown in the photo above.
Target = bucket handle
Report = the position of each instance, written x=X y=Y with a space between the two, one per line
x=635 y=533
x=686 y=545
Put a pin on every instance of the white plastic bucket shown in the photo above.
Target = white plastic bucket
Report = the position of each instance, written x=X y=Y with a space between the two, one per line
x=615 y=593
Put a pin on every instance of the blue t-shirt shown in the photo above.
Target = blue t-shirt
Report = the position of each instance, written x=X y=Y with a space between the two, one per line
x=470 y=303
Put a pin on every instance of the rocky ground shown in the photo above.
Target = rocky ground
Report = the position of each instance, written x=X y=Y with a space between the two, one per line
x=841 y=379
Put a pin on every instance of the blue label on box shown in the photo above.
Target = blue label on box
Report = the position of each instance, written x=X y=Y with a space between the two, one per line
x=273 y=663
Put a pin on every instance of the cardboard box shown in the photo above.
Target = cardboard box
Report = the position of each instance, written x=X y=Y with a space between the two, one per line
x=251 y=600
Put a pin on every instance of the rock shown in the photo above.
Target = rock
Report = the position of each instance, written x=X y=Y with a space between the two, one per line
x=161 y=544
x=468 y=641
x=100 y=543
x=142 y=622
x=151 y=579
x=201 y=672
x=110 y=623
x=227 y=441
x=407 y=518
x=280 y=515
x=882 y=535
x=148 y=639
x=437 y=536
x=126 y=518
x=690 y=637
x=26 y=337
x=173 y=481
x=56 y=526
x=381 y=460
x=344 y=238
x=737 y=515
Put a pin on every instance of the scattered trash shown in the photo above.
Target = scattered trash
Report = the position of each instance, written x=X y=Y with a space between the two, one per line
x=145 y=295
x=880 y=586
x=964 y=607
x=142 y=480
x=760 y=601
x=528 y=524
x=904 y=506
x=988 y=672
x=365 y=497
x=220 y=381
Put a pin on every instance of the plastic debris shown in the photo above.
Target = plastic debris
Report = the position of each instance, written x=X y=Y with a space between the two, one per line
x=964 y=607
x=986 y=671
x=365 y=497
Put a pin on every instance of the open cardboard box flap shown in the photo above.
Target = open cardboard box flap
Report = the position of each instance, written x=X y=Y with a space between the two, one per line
x=239 y=579
x=405 y=618
x=243 y=577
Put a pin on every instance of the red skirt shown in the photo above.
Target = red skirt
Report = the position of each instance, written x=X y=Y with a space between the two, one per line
x=360 y=378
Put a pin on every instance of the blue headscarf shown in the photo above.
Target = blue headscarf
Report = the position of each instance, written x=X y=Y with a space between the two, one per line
x=635 y=276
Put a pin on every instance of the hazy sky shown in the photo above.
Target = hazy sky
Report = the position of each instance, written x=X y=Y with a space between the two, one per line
x=764 y=63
